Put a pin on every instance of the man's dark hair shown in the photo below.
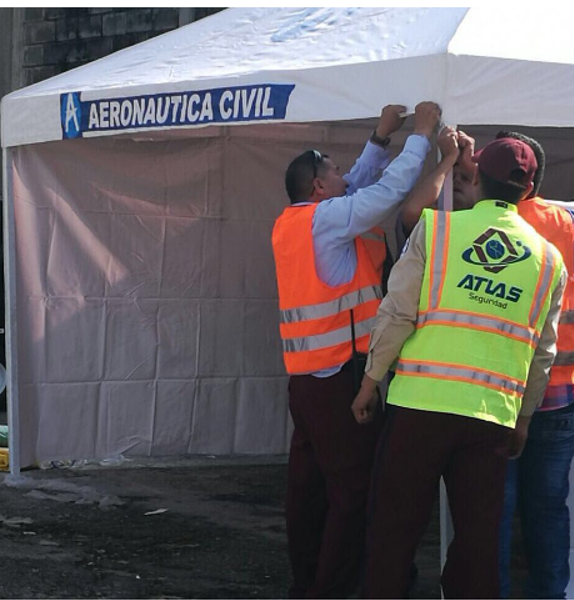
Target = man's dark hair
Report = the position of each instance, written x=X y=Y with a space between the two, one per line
x=301 y=173
x=492 y=189
x=538 y=152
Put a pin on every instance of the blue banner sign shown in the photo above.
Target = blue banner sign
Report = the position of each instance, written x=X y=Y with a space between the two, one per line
x=263 y=102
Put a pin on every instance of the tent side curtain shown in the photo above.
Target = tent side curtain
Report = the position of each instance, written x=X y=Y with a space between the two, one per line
x=146 y=295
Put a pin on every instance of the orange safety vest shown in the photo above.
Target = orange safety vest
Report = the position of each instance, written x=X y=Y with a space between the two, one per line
x=315 y=318
x=555 y=224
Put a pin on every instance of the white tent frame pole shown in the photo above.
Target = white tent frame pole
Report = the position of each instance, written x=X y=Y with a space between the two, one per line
x=11 y=331
x=447 y=192
x=446 y=526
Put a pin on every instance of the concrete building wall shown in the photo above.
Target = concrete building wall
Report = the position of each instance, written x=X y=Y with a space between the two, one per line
x=59 y=39
x=5 y=49
x=10 y=36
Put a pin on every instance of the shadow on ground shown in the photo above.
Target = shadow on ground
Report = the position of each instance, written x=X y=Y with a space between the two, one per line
x=195 y=528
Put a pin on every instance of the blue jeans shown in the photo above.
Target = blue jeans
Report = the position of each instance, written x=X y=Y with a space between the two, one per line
x=539 y=483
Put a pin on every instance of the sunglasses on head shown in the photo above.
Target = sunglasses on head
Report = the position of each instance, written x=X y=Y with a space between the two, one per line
x=317 y=160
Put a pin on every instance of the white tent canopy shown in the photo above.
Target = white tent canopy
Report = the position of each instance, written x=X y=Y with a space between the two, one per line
x=326 y=64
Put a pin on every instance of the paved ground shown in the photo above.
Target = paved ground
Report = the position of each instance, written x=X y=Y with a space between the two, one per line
x=195 y=528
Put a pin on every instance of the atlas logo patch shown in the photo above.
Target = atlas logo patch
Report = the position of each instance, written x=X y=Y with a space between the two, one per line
x=493 y=251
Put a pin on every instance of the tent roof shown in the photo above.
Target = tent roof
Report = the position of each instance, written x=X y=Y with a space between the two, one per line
x=313 y=64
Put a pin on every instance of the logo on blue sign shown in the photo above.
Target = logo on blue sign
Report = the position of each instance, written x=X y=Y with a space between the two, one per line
x=71 y=111
x=264 y=102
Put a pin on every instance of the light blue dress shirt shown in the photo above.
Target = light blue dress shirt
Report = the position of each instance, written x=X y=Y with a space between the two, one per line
x=338 y=221
x=368 y=203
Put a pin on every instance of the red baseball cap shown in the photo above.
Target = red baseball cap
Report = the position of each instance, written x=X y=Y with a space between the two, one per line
x=507 y=161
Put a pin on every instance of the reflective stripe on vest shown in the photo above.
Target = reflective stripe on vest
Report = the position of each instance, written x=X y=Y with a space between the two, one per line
x=491 y=324
x=333 y=307
x=544 y=286
x=460 y=373
x=437 y=262
x=325 y=340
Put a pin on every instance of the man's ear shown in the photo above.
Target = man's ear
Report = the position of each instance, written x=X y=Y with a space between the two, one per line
x=318 y=187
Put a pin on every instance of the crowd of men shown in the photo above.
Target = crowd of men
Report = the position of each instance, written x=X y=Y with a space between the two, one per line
x=472 y=331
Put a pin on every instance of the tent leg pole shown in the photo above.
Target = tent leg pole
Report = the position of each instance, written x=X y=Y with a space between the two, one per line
x=445 y=201
x=446 y=526
x=11 y=317
x=447 y=192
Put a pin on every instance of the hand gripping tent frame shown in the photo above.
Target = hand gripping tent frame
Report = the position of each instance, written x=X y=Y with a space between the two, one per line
x=140 y=192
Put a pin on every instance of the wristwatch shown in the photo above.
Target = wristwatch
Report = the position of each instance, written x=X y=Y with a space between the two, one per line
x=382 y=142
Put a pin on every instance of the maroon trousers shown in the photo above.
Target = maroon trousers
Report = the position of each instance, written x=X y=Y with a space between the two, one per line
x=417 y=448
x=329 y=473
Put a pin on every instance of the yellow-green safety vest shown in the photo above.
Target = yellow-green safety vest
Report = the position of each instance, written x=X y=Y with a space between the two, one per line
x=486 y=292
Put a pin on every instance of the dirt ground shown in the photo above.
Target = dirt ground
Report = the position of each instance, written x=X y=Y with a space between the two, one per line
x=192 y=528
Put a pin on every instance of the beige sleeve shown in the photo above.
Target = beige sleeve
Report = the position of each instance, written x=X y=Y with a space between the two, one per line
x=397 y=314
x=544 y=355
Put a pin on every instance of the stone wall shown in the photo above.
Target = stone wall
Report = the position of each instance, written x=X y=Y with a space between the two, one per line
x=59 y=39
